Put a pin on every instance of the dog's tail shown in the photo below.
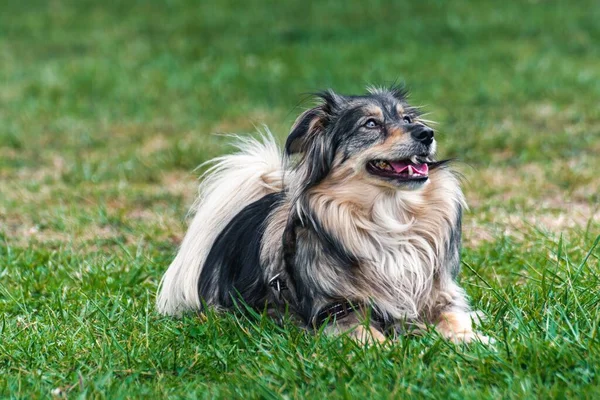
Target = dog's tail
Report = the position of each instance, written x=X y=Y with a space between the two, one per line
x=230 y=184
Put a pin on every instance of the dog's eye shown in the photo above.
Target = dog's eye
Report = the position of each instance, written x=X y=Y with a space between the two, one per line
x=407 y=119
x=371 y=123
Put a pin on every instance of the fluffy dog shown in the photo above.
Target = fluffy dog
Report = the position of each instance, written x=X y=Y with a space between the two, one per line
x=355 y=225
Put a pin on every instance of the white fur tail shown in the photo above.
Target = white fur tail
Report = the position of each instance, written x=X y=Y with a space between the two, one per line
x=230 y=184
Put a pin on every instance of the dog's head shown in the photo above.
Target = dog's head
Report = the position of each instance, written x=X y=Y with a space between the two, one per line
x=377 y=136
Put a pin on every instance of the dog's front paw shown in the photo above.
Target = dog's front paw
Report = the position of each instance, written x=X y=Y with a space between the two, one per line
x=367 y=336
x=457 y=327
x=468 y=337
x=359 y=333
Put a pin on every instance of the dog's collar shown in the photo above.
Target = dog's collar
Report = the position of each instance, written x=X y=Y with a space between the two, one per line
x=333 y=311
x=278 y=285
x=341 y=309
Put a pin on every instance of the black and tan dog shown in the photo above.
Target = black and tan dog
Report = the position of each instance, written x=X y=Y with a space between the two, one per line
x=355 y=219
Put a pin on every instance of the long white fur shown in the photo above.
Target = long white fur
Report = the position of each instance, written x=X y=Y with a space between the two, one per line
x=401 y=235
x=231 y=183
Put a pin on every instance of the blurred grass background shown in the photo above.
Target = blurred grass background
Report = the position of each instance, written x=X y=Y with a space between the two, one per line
x=106 y=108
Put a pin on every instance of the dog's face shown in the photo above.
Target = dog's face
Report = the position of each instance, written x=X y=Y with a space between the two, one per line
x=378 y=136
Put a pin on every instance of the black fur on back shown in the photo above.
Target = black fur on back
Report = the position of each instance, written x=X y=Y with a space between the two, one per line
x=232 y=267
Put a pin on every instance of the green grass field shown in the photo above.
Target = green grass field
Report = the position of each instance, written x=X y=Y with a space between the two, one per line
x=106 y=110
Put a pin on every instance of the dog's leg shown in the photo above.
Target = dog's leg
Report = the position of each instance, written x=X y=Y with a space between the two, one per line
x=454 y=321
x=457 y=326
x=356 y=329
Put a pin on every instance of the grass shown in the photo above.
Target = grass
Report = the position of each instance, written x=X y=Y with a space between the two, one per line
x=106 y=109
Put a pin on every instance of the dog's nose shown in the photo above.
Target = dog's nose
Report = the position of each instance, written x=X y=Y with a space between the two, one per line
x=423 y=134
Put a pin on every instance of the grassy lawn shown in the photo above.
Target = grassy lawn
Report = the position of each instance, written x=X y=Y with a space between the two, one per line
x=106 y=110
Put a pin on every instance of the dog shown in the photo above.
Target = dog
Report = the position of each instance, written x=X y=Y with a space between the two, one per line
x=354 y=226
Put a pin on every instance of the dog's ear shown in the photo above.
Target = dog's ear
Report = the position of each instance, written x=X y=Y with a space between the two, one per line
x=309 y=123
x=313 y=122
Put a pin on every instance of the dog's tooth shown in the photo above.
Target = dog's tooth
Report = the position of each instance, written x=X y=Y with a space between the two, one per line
x=382 y=165
x=414 y=159
x=410 y=170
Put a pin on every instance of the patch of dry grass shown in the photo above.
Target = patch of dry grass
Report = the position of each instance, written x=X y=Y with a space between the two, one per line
x=560 y=197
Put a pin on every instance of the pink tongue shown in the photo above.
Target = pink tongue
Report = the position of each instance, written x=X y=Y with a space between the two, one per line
x=401 y=166
x=423 y=169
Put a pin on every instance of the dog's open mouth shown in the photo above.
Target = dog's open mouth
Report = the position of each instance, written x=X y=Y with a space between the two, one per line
x=413 y=169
